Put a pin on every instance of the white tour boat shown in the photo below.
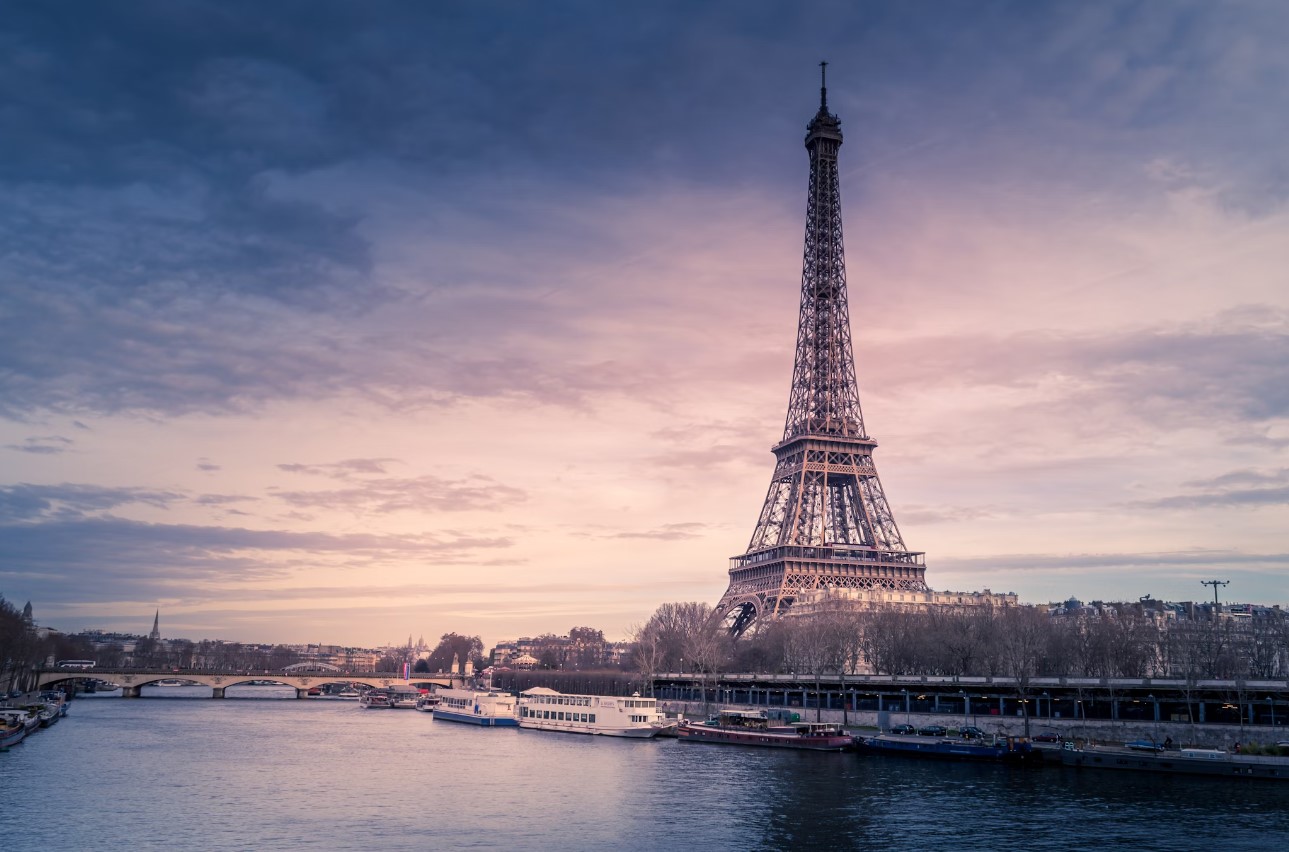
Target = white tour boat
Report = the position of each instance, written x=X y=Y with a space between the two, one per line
x=489 y=708
x=547 y=710
x=427 y=702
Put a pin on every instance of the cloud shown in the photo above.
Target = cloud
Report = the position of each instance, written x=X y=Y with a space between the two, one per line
x=915 y=515
x=1225 y=492
x=341 y=469
x=1242 y=477
x=421 y=494
x=1079 y=564
x=114 y=559
x=24 y=503
x=48 y=445
x=1128 y=382
x=222 y=499
x=667 y=532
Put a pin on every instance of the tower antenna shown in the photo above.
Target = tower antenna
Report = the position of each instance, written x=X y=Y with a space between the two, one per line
x=1214 y=584
x=823 y=85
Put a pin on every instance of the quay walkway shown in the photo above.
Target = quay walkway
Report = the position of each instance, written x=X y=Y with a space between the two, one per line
x=1151 y=700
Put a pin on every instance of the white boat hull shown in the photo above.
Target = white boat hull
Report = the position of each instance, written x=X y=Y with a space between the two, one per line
x=586 y=728
x=542 y=709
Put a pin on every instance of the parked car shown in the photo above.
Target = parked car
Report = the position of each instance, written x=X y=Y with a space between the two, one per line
x=1147 y=745
x=1046 y=737
x=971 y=732
x=904 y=729
x=933 y=731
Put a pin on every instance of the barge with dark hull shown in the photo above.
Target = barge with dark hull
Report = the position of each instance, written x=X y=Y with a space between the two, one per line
x=996 y=750
x=1186 y=761
x=755 y=728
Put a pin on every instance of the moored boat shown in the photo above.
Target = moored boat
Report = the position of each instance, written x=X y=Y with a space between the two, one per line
x=754 y=728
x=489 y=708
x=375 y=699
x=1186 y=761
x=13 y=727
x=427 y=702
x=998 y=749
x=547 y=710
x=404 y=697
x=57 y=700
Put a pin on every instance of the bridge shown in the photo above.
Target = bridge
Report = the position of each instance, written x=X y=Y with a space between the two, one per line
x=132 y=680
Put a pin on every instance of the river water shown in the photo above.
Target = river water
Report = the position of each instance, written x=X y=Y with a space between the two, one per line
x=163 y=772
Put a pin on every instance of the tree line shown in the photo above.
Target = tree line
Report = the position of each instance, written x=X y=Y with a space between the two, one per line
x=23 y=648
x=1019 y=642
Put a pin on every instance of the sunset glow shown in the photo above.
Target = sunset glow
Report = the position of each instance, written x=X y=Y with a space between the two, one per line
x=347 y=326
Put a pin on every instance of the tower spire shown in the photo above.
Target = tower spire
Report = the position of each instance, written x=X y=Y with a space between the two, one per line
x=823 y=86
x=825 y=522
x=156 y=626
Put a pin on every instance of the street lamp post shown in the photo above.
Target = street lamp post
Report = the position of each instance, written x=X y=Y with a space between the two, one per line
x=906 y=705
x=1271 y=703
x=966 y=706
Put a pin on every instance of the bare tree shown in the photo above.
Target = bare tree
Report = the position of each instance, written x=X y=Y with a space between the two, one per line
x=840 y=629
x=807 y=640
x=1023 y=637
x=649 y=653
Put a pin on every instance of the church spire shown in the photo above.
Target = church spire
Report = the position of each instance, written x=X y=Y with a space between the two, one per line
x=156 y=626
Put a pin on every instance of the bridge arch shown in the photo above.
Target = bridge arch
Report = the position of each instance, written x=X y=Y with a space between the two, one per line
x=133 y=679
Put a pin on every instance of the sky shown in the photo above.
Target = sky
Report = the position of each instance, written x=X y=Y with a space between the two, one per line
x=336 y=322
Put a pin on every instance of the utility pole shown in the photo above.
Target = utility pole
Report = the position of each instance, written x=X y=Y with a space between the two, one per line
x=1214 y=584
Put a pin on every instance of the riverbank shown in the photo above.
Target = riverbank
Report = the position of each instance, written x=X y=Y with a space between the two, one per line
x=1223 y=737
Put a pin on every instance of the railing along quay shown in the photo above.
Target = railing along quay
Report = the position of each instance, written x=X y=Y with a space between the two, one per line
x=1160 y=700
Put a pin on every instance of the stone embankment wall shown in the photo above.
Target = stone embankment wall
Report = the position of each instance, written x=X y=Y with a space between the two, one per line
x=1096 y=730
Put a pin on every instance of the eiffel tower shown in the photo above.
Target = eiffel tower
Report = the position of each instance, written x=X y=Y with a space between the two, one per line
x=825 y=522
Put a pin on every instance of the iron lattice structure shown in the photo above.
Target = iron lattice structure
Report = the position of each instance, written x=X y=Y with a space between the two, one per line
x=826 y=522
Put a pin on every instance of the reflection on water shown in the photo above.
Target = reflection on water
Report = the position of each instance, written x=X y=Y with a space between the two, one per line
x=290 y=774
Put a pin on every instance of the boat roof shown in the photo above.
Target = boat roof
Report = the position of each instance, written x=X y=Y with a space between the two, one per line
x=540 y=690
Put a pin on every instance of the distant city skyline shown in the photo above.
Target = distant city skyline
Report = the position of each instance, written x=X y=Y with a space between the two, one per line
x=342 y=324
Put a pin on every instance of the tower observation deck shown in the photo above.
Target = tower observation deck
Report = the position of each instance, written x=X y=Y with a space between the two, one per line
x=825 y=522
